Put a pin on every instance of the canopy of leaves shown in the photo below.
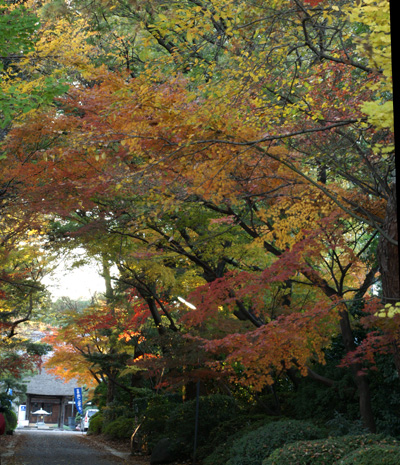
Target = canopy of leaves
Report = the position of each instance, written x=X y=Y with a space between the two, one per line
x=238 y=154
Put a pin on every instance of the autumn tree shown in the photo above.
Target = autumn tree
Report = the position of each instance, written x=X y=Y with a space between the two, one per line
x=82 y=346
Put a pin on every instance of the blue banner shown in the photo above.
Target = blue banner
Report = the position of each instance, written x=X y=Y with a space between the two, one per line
x=78 y=399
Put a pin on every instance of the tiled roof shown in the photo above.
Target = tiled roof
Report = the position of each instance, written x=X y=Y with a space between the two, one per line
x=46 y=384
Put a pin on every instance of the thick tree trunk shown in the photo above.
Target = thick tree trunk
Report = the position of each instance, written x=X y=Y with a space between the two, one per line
x=360 y=380
x=364 y=398
x=155 y=314
x=389 y=266
x=388 y=253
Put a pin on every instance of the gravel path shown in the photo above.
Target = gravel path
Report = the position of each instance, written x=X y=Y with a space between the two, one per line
x=55 y=448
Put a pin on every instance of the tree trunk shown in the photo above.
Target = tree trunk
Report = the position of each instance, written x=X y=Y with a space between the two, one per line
x=389 y=266
x=360 y=380
x=388 y=253
x=112 y=341
x=106 y=274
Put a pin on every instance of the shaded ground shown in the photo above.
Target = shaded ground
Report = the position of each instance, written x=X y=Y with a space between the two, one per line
x=124 y=446
x=32 y=447
x=121 y=446
x=35 y=447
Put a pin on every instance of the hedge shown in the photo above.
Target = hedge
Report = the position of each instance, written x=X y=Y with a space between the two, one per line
x=324 y=452
x=213 y=410
x=96 y=424
x=121 y=428
x=379 y=454
x=11 y=421
x=255 y=446
x=222 y=438
x=154 y=423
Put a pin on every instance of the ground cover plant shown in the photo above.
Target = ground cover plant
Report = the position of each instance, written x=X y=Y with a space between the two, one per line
x=331 y=451
x=253 y=447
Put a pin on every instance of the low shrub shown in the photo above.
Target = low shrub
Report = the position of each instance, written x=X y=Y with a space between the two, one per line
x=339 y=425
x=112 y=412
x=154 y=424
x=11 y=420
x=213 y=410
x=323 y=452
x=379 y=454
x=255 y=446
x=222 y=438
x=140 y=401
x=121 y=428
x=96 y=423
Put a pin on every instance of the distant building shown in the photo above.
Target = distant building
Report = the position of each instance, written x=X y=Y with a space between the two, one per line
x=46 y=391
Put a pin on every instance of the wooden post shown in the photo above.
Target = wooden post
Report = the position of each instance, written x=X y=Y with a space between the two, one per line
x=62 y=415
x=28 y=409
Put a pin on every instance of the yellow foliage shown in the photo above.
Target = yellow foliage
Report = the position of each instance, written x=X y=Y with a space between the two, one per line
x=389 y=311
x=375 y=45
x=291 y=217
x=63 y=48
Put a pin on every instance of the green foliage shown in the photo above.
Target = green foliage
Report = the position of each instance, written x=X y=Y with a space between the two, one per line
x=385 y=389
x=340 y=426
x=96 y=424
x=338 y=406
x=112 y=412
x=35 y=348
x=222 y=438
x=14 y=102
x=323 y=452
x=156 y=415
x=380 y=454
x=319 y=403
x=100 y=395
x=213 y=410
x=17 y=26
x=121 y=428
x=140 y=401
x=255 y=446
x=18 y=37
x=11 y=420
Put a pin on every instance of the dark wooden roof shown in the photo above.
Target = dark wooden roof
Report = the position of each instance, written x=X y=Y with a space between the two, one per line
x=46 y=384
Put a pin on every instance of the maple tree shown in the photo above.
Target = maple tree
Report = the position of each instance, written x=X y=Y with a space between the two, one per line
x=97 y=344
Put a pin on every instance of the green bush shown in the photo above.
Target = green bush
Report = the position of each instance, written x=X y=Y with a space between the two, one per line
x=213 y=410
x=222 y=438
x=96 y=424
x=112 y=412
x=339 y=425
x=140 y=400
x=323 y=452
x=154 y=423
x=121 y=428
x=255 y=446
x=380 y=454
x=11 y=421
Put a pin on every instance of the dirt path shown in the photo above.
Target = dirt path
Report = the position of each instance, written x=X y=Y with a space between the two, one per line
x=30 y=447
